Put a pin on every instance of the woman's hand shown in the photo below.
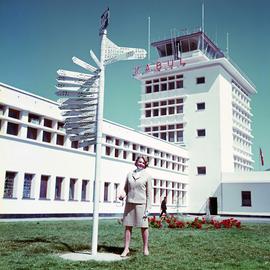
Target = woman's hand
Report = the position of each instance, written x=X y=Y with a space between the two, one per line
x=146 y=214
x=122 y=196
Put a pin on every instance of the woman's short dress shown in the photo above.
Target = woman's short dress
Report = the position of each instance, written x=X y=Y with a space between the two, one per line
x=133 y=215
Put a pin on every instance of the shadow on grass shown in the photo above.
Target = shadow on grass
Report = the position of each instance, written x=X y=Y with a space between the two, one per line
x=47 y=241
x=101 y=248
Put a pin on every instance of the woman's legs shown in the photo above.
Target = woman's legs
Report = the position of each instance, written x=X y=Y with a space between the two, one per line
x=128 y=231
x=145 y=235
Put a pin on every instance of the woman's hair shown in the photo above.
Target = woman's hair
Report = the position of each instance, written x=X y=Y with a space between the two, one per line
x=145 y=159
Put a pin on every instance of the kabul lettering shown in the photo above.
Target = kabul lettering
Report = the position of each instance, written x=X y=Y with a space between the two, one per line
x=158 y=66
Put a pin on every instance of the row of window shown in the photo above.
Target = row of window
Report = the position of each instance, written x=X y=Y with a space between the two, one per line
x=167 y=83
x=126 y=146
x=240 y=93
x=78 y=189
x=12 y=127
x=168 y=110
x=31 y=118
x=171 y=110
x=42 y=135
x=153 y=162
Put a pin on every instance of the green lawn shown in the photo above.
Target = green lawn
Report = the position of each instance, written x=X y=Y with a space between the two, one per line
x=34 y=245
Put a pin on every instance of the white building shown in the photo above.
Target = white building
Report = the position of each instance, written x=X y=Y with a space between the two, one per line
x=199 y=103
x=44 y=174
x=194 y=96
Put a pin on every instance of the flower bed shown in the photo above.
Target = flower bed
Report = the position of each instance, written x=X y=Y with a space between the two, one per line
x=173 y=222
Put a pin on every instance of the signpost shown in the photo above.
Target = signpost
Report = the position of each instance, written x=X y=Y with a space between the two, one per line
x=81 y=99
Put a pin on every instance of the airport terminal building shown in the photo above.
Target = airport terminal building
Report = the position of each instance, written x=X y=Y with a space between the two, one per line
x=195 y=128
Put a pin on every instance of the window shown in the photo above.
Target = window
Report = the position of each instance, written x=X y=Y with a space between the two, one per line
x=109 y=139
x=116 y=153
x=246 y=198
x=147 y=105
x=201 y=170
x=108 y=151
x=12 y=129
x=59 y=188
x=200 y=132
x=47 y=136
x=179 y=136
x=9 y=184
x=179 y=109
x=2 y=109
x=148 y=89
x=201 y=106
x=156 y=88
x=179 y=84
x=28 y=186
x=116 y=187
x=31 y=133
x=155 y=112
x=60 y=126
x=124 y=154
x=171 y=136
x=163 y=86
x=171 y=110
x=200 y=80
x=171 y=85
x=14 y=113
x=163 y=135
x=163 y=111
x=147 y=129
x=106 y=191
x=75 y=144
x=43 y=193
x=60 y=139
x=33 y=118
x=85 y=190
x=148 y=113
x=72 y=185
x=47 y=123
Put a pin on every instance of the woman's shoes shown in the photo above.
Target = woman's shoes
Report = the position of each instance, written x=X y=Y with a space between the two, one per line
x=146 y=253
x=124 y=253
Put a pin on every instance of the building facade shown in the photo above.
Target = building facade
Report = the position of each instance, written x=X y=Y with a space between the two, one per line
x=43 y=173
x=194 y=96
x=195 y=129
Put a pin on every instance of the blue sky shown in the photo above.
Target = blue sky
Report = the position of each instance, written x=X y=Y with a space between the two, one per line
x=38 y=37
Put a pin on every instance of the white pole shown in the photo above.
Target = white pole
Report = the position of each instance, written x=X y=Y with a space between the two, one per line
x=149 y=48
x=227 y=49
x=202 y=26
x=98 y=147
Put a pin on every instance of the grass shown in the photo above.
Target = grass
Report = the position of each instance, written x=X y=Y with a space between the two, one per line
x=35 y=245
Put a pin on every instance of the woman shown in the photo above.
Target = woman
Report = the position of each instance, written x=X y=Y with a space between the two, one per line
x=137 y=191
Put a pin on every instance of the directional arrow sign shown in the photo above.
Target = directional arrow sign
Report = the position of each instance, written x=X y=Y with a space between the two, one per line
x=87 y=142
x=79 y=119
x=79 y=113
x=123 y=56
x=75 y=93
x=76 y=106
x=83 y=137
x=73 y=74
x=95 y=58
x=86 y=100
x=78 y=131
x=78 y=125
x=75 y=82
x=84 y=65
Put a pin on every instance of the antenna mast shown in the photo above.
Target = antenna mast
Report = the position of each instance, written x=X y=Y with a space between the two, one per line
x=149 y=54
x=227 y=49
x=202 y=26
